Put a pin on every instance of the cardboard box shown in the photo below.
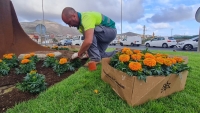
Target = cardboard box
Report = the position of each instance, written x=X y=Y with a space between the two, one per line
x=137 y=92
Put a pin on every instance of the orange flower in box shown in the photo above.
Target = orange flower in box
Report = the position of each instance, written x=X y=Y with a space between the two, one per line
x=136 y=51
x=178 y=59
x=124 y=58
x=149 y=62
x=136 y=56
x=135 y=66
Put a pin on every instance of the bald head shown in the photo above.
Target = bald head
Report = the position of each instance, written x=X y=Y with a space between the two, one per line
x=70 y=17
x=67 y=12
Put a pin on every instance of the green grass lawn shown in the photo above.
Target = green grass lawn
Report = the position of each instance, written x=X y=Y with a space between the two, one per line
x=76 y=94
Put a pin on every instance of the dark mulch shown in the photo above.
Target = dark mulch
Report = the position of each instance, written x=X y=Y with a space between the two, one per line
x=8 y=100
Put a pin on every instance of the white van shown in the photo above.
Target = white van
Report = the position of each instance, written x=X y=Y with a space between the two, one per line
x=114 y=42
x=131 y=40
x=77 y=40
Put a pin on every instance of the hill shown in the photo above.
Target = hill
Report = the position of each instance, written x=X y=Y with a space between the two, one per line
x=129 y=34
x=57 y=29
x=51 y=28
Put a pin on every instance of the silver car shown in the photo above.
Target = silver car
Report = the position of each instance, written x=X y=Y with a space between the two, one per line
x=188 y=44
x=164 y=42
x=65 y=42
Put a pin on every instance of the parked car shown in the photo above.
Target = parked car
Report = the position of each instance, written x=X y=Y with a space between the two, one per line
x=188 y=44
x=164 y=42
x=78 y=40
x=131 y=40
x=65 y=42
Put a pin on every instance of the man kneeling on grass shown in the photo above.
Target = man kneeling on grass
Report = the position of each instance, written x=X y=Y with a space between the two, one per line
x=98 y=31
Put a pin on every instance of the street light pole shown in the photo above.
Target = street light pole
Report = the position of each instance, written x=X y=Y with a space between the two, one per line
x=43 y=21
x=171 y=32
x=197 y=17
x=121 y=18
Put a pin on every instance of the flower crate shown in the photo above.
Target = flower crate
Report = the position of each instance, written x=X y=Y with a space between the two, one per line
x=137 y=91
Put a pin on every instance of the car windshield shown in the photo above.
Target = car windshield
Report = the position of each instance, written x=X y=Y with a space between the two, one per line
x=171 y=38
x=194 y=38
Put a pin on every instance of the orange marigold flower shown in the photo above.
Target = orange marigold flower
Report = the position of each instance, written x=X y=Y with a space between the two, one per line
x=149 y=62
x=32 y=54
x=11 y=54
x=173 y=60
x=50 y=55
x=129 y=52
x=141 y=54
x=158 y=55
x=167 y=62
x=27 y=56
x=1 y=61
x=124 y=58
x=63 y=61
x=8 y=56
x=125 y=49
x=149 y=55
x=24 y=61
x=178 y=59
x=136 y=56
x=136 y=51
x=164 y=56
x=135 y=66
x=160 y=60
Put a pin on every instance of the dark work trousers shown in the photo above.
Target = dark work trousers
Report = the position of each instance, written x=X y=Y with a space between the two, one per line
x=101 y=40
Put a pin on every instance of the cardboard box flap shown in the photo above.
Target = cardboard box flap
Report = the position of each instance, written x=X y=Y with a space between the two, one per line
x=119 y=81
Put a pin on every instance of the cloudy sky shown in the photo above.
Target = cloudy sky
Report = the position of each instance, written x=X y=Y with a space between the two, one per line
x=163 y=17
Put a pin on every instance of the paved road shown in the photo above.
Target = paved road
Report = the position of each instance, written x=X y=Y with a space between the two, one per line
x=142 y=47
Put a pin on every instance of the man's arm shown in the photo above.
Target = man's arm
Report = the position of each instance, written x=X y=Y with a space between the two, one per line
x=88 y=35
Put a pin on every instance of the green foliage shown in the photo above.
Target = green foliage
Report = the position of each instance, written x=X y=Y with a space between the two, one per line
x=25 y=68
x=76 y=63
x=33 y=83
x=4 y=68
x=76 y=95
x=63 y=48
x=34 y=58
x=54 y=40
x=49 y=62
x=13 y=62
x=61 y=68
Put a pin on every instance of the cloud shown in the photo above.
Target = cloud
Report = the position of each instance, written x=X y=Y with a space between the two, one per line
x=32 y=9
x=160 y=26
x=139 y=27
x=172 y=14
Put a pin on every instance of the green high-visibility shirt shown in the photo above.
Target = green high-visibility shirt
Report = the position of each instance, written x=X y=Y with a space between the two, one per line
x=89 y=20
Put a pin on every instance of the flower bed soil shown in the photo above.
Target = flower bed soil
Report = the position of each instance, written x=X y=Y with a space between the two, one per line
x=8 y=100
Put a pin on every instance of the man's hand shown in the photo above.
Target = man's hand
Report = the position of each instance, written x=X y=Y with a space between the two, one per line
x=74 y=56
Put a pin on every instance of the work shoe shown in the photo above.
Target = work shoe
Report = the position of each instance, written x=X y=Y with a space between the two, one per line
x=86 y=64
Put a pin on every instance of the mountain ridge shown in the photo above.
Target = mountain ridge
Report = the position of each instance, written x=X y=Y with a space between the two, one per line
x=57 y=29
